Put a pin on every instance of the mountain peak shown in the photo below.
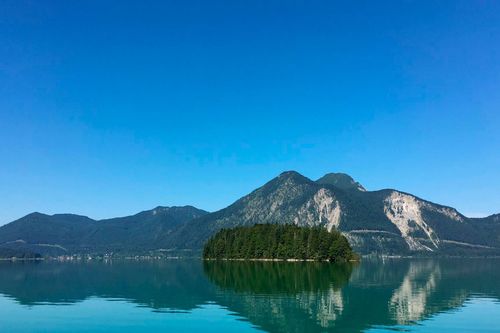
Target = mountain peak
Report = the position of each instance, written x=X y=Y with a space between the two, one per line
x=341 y=180
x=293 y=176
x=35 y=214
x=290 y=173
x=188 y=209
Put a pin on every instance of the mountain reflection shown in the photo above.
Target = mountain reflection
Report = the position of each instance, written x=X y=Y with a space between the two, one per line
x=408 y=302
x=274 y=296
x=160 y=285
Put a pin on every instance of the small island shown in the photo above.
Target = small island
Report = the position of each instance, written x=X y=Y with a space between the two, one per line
x=279 y=242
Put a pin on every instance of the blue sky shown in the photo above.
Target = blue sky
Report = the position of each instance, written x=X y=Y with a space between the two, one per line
x=112 y=107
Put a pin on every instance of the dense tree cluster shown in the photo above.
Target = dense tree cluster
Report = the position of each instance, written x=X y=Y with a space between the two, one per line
x=7 y=253
x=272 y=241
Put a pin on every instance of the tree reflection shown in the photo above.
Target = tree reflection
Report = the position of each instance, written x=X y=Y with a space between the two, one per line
x=277 y=277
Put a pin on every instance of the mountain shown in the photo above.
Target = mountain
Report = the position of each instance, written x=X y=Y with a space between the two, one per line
x=68 y=233
x=380 y=222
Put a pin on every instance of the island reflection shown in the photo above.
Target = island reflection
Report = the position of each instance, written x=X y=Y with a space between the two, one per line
x=274 y=296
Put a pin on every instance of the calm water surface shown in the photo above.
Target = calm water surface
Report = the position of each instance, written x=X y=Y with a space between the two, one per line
x=457 y=295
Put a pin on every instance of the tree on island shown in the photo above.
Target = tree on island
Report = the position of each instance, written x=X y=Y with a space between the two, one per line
x=273 y=241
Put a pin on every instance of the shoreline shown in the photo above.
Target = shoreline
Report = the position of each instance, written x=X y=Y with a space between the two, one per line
x=22 y=259
x=277 y=260
x=145 y=258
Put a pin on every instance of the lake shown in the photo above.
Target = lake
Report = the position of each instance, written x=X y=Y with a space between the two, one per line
x=413 y=295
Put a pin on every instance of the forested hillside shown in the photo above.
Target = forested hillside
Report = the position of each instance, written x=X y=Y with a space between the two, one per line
x=63 y=234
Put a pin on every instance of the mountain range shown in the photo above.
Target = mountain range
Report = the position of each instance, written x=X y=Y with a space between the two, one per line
x=387 y=222
x=61 y=234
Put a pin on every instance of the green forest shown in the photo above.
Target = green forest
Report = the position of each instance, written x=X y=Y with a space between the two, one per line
x=272 y=241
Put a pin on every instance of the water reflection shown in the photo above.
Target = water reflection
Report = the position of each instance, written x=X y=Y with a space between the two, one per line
x=271 y=278
x=409 y=301
x=279 y=296
x=276 y=297
x=160 y=285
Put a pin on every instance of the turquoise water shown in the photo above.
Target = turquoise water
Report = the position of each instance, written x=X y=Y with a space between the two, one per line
x=455 y=295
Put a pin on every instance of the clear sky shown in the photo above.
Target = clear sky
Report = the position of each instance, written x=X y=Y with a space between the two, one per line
x=112 y=107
